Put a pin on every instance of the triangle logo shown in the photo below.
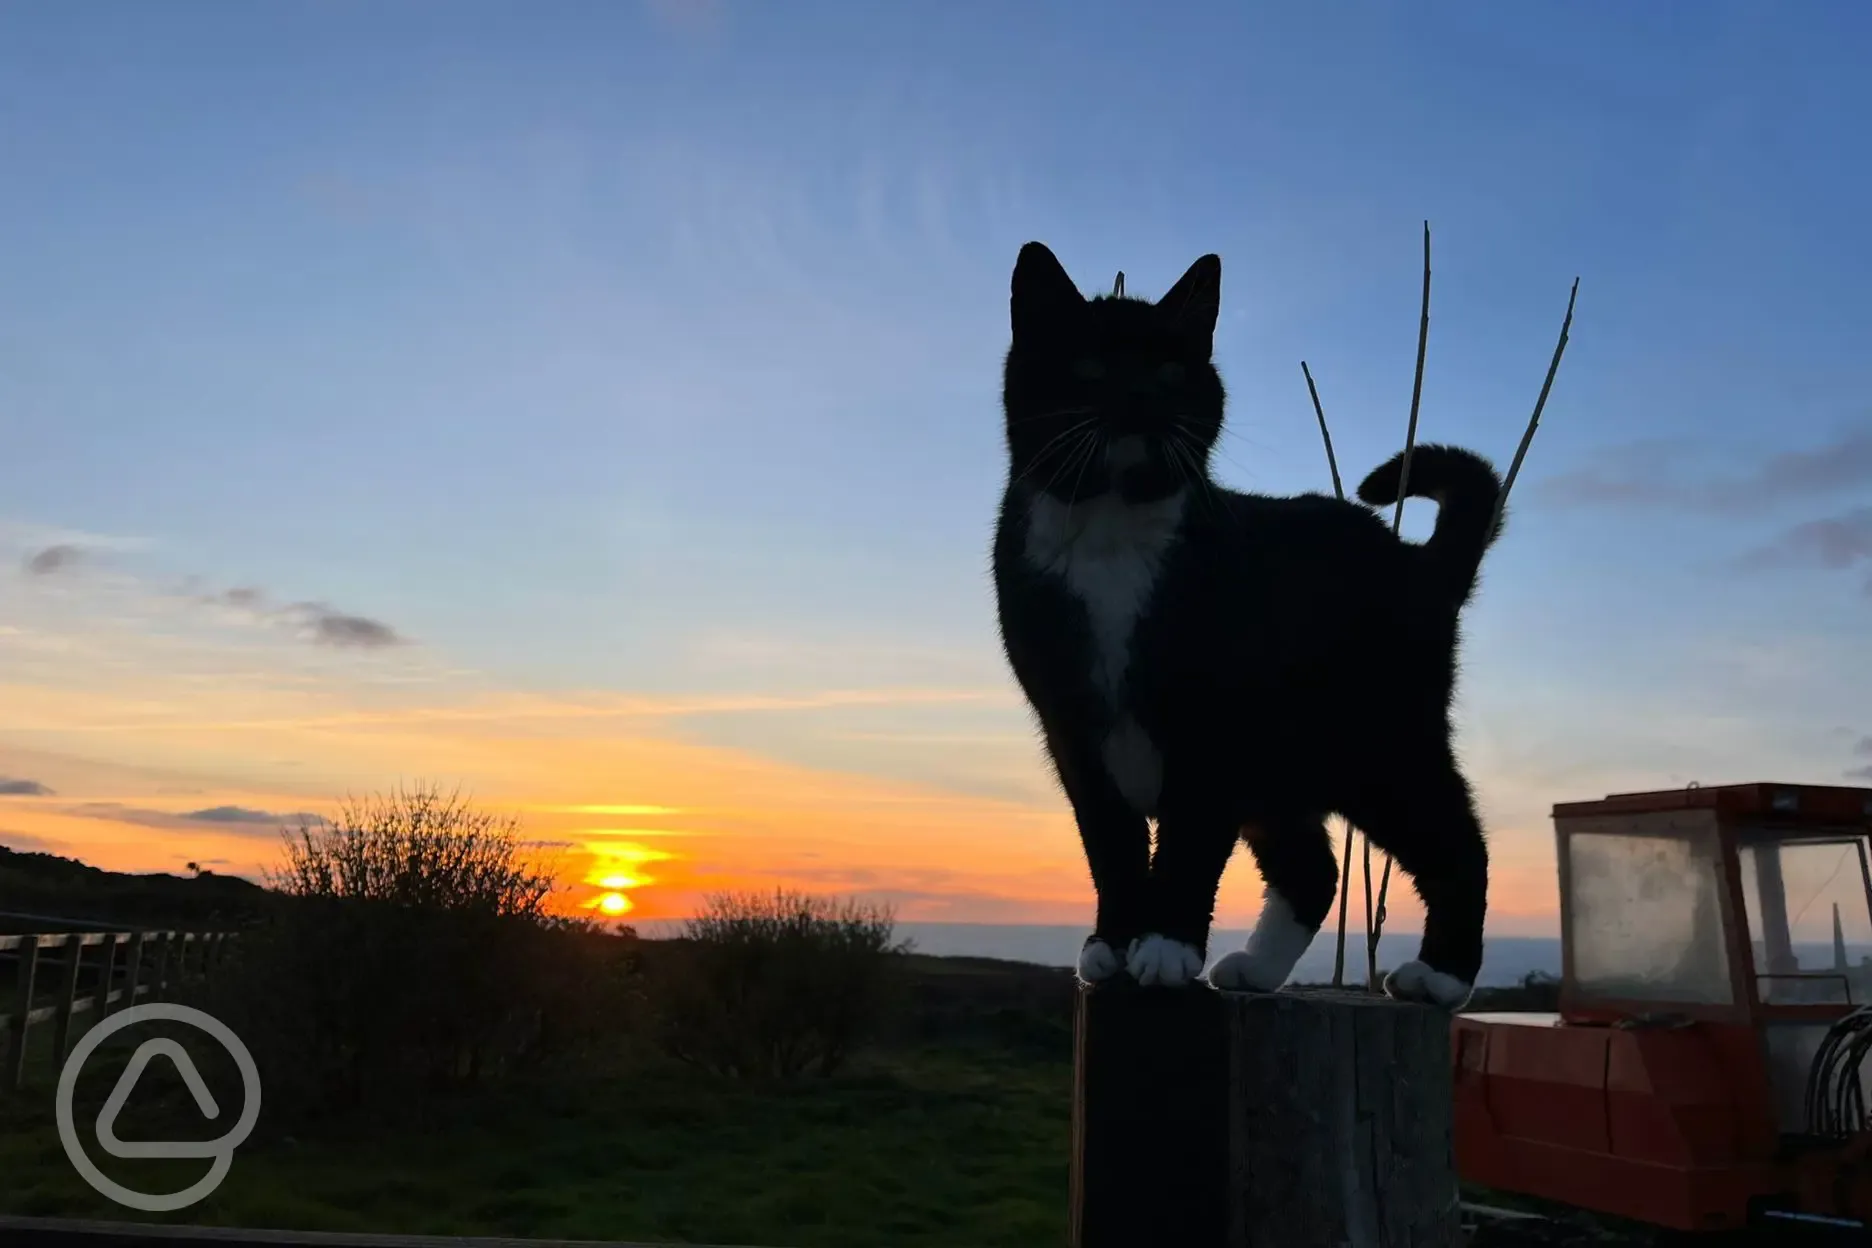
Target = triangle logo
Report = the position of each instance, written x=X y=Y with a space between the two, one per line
x=126 y=1084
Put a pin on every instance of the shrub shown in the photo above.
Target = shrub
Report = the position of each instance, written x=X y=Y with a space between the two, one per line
x=417 y=850
x=777 y=986
x=412 y=952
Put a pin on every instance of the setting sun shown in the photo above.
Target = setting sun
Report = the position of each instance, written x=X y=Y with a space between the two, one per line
x=614 y=903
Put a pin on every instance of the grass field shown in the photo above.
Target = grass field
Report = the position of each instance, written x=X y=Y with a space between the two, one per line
x=916 y=1146
x=953 y=1132
x=913 y=1149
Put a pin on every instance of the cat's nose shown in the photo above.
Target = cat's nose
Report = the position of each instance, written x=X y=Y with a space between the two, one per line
x=1122 y=454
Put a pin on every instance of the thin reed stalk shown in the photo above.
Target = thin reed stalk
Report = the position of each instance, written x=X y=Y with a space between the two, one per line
x=1375 y=927
x=1527 y=436
x=1345 y=862
x=1375 y=906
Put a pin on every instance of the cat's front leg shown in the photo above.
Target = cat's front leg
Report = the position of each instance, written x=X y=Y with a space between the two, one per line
x=1193 y=848
x=1117 y=848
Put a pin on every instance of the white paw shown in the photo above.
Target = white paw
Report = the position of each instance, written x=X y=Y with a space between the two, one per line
x=1098 y=961
x=1159 y=960
x=1248 y=971
x=1414 y=981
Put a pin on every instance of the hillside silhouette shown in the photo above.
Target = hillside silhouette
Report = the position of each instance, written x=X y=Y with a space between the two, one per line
x=46 y=892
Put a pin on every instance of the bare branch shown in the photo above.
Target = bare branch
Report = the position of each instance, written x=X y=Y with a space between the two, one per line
x=1375 y=928
x=1332 y=461
x=1553 y=366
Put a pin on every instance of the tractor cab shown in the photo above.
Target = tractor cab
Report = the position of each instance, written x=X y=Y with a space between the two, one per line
x=1714 y=942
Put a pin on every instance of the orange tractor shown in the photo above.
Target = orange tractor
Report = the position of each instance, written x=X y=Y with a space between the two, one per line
x=1707 y=1068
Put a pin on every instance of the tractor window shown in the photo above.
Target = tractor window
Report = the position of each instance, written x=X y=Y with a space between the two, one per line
x=1645 y=919
x=1809 y=920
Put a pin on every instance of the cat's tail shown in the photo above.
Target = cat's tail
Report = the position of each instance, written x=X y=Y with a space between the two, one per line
x=1465 y=487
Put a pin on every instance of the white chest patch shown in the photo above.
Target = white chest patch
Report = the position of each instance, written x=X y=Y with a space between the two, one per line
x=1109 y=553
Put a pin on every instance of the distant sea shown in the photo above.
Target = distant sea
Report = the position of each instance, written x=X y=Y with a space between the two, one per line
x=1506 y=959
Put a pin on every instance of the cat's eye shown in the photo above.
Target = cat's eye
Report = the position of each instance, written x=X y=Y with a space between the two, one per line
x=1088 y=369
x=1170 y=373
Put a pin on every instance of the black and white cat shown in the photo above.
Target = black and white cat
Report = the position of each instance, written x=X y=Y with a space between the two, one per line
x=1228 y=665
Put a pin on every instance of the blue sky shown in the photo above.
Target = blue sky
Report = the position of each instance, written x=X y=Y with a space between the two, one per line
x=608 y=350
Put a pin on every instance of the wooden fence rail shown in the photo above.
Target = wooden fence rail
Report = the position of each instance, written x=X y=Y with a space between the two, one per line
x=128 y=967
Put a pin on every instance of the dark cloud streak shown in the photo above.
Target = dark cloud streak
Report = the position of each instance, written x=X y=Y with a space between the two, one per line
x=337 y=628
x=144 y=817
x=11 y=787
x=244 y=814
x=315 y=621
x=54 y=559
x=1649 y=474
x=1836 y=543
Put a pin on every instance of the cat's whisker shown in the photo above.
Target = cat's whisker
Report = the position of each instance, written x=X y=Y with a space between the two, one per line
x=1095 y=447
x=1192 y=472
x=1052 y=415
x=1186 y=428
x=1068 y=459
x=1039 y=458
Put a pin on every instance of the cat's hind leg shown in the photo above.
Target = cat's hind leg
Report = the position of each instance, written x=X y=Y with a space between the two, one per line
x=1301 y=877
x=1424 y=817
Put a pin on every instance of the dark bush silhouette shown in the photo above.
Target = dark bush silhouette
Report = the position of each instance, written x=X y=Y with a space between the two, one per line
x=776 y=985
x=412 y=952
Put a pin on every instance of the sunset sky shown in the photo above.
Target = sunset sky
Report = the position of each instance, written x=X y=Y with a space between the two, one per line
x=594 y=406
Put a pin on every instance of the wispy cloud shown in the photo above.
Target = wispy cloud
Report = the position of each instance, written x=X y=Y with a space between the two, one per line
x=117 y=812
x=507 y=709
x=135 y=594
x=1839 y=543
x=312 y=621
x=10 y=787
x=52 y=559
x=246 y=814
x=327 y=627
x=1862 y=750
x=1653 y=473
x=686 y=17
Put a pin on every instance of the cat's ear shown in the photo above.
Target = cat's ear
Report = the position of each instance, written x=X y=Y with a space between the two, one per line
x=1196 y=300
x=1041 y=289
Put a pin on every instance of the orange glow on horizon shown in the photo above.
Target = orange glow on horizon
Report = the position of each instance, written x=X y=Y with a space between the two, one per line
x=704 y=819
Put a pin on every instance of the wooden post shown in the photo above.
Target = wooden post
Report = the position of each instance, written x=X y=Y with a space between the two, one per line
x=28 y=951
x=1244 y=1120
x=1340 y=1126
x=68 y=998
x=133 y=970
x=1150 y=1123
x=107 y=972
x=159 y=981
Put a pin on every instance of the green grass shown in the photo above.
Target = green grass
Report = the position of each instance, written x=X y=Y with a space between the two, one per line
x=913 y=1148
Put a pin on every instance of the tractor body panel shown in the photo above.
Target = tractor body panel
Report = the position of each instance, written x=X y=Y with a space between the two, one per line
x=1697 y=984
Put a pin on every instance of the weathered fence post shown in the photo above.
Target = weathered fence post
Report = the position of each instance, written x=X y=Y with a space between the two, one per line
x=21 y=1022
x=133 y=970
x=68 y=998
x=159 y=981
x=107 y=972
x=1298 y=1119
